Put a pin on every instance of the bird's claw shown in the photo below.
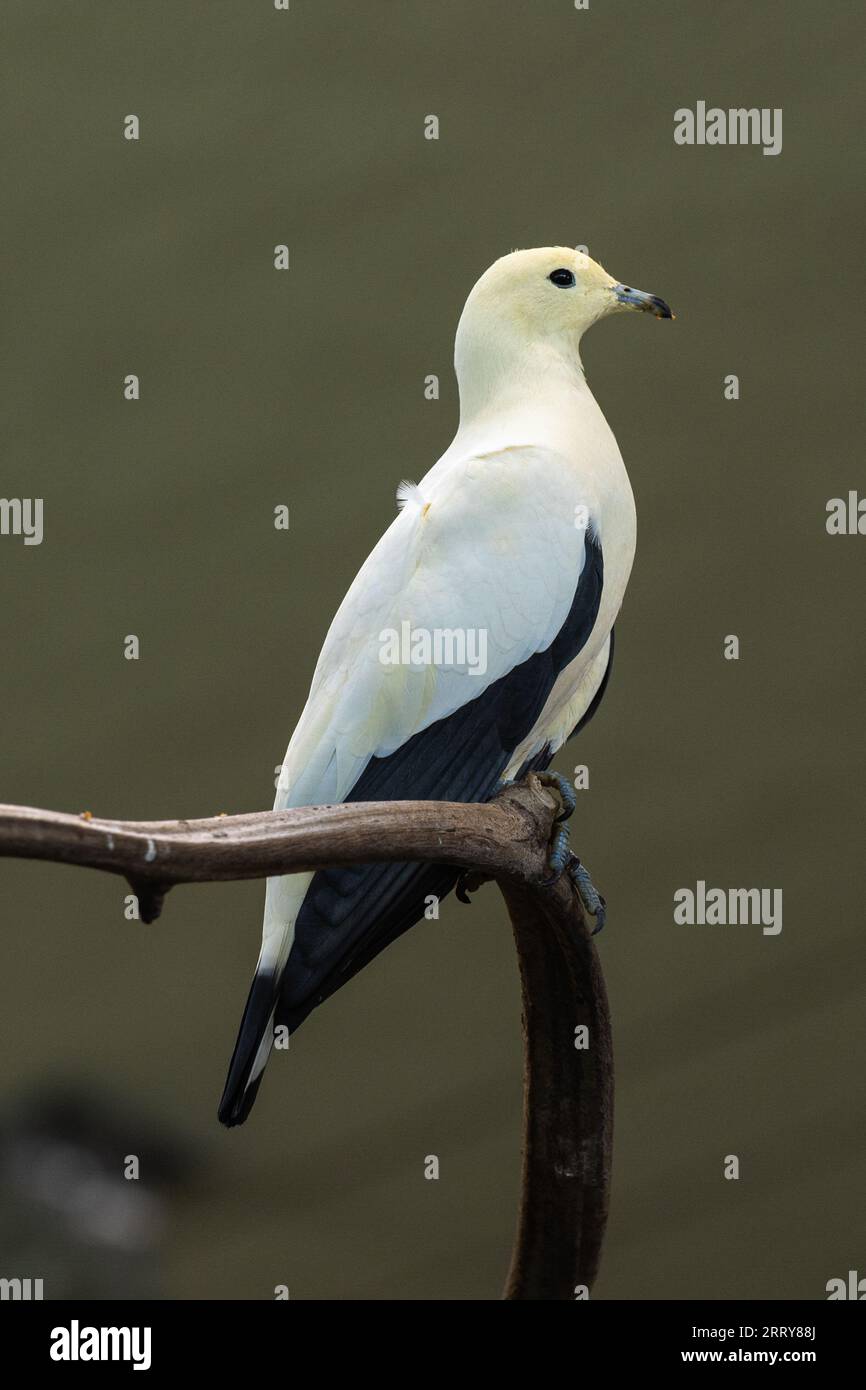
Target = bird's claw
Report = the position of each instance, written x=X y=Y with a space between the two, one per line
x=560 y=854
x=469 y=881
x=561 y=858
x=558 y=857
x=561 y=785
x=589 y=894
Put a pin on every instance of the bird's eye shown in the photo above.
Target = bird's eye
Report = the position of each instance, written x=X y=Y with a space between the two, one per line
x=562 y=278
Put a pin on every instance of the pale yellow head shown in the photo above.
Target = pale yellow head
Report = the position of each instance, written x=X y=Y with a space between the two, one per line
x=552 y=290
x=534 y=306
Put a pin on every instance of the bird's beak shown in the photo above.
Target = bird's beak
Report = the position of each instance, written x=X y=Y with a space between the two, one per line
x=639 y=299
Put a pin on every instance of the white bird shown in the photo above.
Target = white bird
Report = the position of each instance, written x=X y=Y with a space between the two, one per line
x=476 y=638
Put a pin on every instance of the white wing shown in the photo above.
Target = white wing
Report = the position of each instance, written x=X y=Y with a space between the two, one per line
x=489 y=549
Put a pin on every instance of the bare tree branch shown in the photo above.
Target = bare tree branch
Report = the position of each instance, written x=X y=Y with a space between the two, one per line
x=567 y=1097
x=568 y=1088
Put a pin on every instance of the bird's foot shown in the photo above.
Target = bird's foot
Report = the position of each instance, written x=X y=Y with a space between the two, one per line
x=561 y=785
x=589 y=894
x=469 y=882
x=558 y=856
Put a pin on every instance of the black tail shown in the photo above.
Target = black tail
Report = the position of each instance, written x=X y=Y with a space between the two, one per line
x=241 y=1085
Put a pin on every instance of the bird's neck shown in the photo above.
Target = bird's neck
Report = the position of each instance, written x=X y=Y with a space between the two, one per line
x=524 y=386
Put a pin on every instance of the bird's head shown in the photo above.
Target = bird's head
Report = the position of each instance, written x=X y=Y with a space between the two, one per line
x=555 y=289
x=545 y=299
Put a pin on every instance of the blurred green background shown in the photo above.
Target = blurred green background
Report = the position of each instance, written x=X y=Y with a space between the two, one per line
x=306 y=388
